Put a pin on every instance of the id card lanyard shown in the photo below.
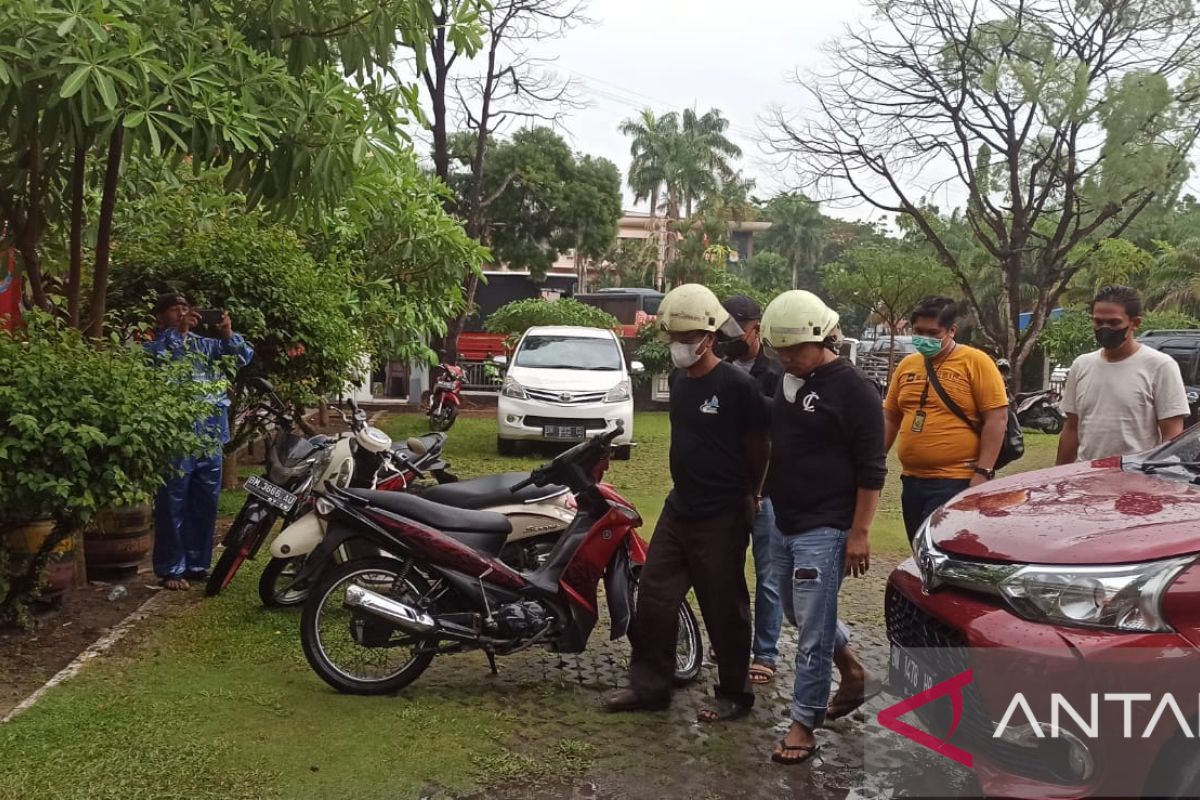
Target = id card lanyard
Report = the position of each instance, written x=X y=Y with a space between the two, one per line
x=918 y=424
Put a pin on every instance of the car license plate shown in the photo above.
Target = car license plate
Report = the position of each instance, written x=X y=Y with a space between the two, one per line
x=275 y=496
x=566 y=432
x=906 y=675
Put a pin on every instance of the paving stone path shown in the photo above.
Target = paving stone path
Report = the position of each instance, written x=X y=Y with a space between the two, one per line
x=570 y=748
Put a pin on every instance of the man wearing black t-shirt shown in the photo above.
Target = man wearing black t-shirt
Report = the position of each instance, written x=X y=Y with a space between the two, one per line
x=718 y=462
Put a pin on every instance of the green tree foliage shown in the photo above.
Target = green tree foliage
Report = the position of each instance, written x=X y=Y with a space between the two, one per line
x=1058 y=137
x=542 y=199
x=885 y=281
x=1071 y=335
x=767 y=272
x=520 y=315
x=301 y=317
x=630 y=263
x=1174 y=280
x=1111 y=261
x=88 y=426
x=796 y=233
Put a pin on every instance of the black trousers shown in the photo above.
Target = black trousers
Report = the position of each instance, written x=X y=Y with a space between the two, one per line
x=708 y=554
x=920 y=497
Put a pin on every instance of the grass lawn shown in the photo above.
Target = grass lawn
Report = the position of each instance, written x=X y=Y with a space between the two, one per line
x=216 y=701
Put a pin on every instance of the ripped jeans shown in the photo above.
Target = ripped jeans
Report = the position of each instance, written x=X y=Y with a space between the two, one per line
x=811 y=566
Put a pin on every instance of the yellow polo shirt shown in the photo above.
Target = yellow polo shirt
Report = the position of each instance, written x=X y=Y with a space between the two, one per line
x=945 y=446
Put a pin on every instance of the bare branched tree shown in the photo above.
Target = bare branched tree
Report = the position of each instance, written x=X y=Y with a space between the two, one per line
x=1055 y=121
x=512 y=84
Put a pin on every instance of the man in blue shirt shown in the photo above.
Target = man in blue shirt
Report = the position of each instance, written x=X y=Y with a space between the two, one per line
x=185 y=510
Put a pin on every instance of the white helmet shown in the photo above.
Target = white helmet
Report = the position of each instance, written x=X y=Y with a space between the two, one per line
x=694 y=307
x=798 y=317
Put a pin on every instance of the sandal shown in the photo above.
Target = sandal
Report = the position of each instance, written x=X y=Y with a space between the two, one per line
x=807 y=751
x=174 y=583
x=725 y=710
x=761 y=674
x=841 y=707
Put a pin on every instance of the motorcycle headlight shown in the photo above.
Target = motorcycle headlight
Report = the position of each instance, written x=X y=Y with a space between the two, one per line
x=619 y=393
x=513 y=389
x=1127 y=597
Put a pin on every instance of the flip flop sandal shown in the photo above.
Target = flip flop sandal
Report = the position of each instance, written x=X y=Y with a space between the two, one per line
x=724 y=710
x=842 y=708
x=176 y=580
x=761 y=674
x=781 y=758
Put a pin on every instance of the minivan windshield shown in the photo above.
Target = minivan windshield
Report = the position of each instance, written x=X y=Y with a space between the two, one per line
x=1183 y=454
x=569 y=352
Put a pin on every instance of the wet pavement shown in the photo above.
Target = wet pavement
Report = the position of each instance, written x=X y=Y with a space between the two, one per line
x=568 y=747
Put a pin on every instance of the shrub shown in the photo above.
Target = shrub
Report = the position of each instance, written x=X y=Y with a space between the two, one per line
x=1070 y=336
x=520 y=315
x=84 y=426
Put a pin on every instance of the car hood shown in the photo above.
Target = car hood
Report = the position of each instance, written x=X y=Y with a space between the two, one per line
x=570 y=380
x=1092 y=513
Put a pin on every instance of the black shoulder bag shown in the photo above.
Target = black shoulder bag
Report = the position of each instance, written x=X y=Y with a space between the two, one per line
x=1013 y=446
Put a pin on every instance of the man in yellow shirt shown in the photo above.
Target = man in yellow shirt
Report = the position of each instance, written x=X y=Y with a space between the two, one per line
x=940 y=454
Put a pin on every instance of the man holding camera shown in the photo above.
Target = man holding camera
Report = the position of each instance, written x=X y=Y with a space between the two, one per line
x=185 y=509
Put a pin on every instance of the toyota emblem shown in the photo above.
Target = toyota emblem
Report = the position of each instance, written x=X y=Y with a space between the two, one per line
x=565 y=397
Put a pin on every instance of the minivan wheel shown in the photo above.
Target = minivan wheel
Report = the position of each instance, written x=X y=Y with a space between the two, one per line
x=622 y=452
x=506 y=447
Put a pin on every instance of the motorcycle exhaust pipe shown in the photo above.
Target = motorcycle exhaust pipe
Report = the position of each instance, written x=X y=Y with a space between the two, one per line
x=399 y=614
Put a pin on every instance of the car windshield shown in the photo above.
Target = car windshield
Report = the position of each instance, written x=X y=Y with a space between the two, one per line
x=1182 y=452
x=884 y=346
x=569 y=352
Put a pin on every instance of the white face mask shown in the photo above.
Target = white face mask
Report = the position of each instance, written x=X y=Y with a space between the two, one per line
x=791 y=386
x=684 y=355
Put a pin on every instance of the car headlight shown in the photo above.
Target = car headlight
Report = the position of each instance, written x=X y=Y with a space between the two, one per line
x=619 y=393
x=1126 y=597
x=1193 y=396
x=513 y=389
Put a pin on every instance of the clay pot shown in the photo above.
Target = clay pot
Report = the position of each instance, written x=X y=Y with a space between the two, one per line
x=120 y=538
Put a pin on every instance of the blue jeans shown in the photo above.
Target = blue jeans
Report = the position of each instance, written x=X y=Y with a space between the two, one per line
x=185 y=516
x=768 y=605
x=920 y=497
x=815 y=562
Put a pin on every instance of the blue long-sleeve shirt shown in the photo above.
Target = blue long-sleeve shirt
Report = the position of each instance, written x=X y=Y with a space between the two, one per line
x=170 y=343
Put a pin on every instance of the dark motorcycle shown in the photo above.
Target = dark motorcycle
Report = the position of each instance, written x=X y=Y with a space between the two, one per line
x=1039 y=411
x=446 y=398
x=373 y=625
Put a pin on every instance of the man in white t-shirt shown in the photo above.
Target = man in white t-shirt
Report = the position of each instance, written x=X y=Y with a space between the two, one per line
x=1124 y=398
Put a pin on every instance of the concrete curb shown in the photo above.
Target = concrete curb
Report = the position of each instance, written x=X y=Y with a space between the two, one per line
x=97 y=648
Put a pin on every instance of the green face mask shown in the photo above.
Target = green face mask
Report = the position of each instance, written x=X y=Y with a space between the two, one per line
x=927 y=345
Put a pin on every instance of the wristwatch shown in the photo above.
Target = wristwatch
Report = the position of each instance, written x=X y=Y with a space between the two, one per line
x=987 y=473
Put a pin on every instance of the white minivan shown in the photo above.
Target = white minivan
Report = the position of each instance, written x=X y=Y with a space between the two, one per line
x=566 y=384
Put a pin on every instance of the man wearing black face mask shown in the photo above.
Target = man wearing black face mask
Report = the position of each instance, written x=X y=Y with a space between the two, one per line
x=1124 y=398
x=748 y=355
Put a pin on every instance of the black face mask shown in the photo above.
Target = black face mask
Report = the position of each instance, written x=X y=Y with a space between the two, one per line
x=1111 y=338
x=737 y=350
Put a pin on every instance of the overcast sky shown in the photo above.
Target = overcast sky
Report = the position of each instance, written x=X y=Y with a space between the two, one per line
x=672 y=54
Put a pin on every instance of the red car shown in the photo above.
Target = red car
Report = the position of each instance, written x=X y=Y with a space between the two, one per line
x=1075 y=587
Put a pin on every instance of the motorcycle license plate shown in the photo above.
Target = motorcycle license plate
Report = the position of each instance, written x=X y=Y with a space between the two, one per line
x=275 y=496
x=573 y=433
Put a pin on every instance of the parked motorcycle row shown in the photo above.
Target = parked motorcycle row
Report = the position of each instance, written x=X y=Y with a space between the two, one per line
x=395 y=561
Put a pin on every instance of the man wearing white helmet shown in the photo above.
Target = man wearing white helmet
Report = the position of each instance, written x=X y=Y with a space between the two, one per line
x=718 y=462
x=827 y=468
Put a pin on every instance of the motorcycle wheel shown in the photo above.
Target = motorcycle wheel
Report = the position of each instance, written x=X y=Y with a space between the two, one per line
x=689 y=647
x=442 y=417
x=1052 y=424
x=333 y=635
x=243 y=537
x=279 y=573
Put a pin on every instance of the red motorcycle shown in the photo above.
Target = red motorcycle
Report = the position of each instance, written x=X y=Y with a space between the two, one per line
x=447 y=397
x=373 y=625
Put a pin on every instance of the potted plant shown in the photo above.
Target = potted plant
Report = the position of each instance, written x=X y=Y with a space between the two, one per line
x=84 y=425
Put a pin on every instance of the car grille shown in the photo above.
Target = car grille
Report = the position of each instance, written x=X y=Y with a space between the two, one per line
x=565 y=397
x=588 y=424
x=943 y=650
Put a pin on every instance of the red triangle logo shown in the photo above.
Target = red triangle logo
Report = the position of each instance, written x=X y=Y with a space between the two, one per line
x=890 y=717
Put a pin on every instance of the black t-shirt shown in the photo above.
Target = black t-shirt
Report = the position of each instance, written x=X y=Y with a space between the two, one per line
x=712 y=418
x=825 y=446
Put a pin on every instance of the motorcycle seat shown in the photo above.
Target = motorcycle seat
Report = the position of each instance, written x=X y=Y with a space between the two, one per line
x=492 y=490
x=490 y=529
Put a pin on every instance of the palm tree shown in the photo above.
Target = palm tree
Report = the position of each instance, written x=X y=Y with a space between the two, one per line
x=653 y=138
x=705 y=154
x=796 y=233
x=1174 y=282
